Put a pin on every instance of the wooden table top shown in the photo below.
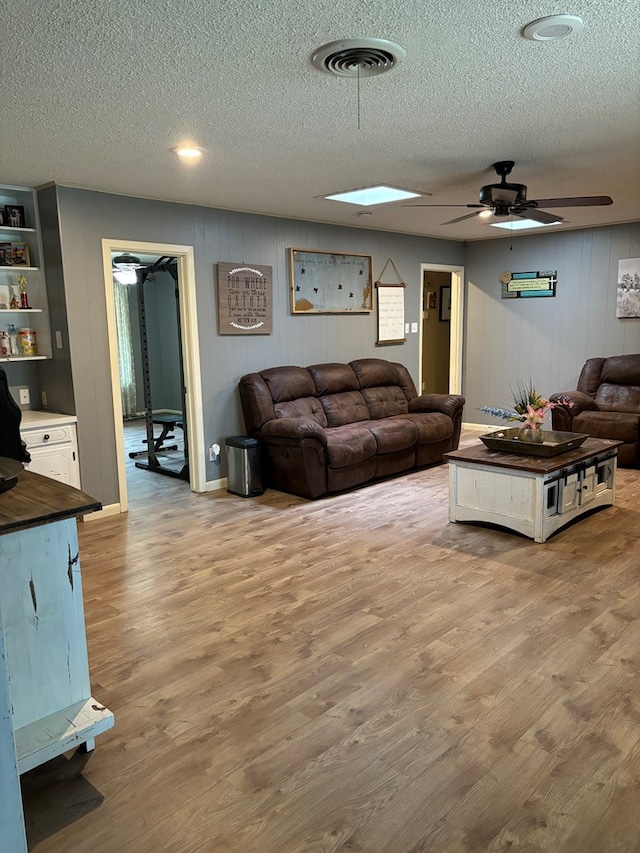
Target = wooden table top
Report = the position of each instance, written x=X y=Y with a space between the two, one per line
x=479 y=454
x=36 y=500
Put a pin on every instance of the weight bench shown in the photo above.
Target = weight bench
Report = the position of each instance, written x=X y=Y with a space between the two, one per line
x=168 y=423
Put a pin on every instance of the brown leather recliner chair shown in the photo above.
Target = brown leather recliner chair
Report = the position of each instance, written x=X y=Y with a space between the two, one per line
x=606 y=404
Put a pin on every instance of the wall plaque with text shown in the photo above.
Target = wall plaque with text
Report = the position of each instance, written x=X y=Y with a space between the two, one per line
x=245 y=299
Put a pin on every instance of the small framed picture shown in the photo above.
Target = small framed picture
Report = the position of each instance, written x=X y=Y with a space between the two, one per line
x=14 y=216
x=1 y=215
x=431 y=300
x=19 y=255
x=5 y=255
x=445 y=303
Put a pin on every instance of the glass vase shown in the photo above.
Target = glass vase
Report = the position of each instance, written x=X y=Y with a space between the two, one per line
x=531 y=434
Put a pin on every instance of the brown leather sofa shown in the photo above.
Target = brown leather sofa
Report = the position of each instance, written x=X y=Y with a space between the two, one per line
x=606 y=404
x=332 y=427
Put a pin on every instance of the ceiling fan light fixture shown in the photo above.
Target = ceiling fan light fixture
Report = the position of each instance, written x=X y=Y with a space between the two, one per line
x=126 y=261
x=520 y=224
x=125 y=276
x=552 y=27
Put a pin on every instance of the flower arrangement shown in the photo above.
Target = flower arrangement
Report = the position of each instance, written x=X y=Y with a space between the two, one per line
x=528 y=407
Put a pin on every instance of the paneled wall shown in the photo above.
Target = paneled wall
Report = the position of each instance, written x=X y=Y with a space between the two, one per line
x=85 y=218
x=544 y=339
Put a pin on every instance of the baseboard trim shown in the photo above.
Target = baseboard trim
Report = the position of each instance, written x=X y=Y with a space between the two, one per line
x=105 y=512
x=214 y=485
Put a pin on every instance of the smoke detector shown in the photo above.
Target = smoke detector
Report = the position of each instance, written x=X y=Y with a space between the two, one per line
x=358 y=57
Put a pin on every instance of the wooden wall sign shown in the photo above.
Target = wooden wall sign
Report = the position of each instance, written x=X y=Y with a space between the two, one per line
x=516 y=285
x=245 y=299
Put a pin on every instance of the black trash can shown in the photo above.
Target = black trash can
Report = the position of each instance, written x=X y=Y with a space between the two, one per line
x=244 y=476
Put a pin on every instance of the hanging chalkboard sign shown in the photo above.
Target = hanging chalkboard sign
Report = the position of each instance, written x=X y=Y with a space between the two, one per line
x=390 y=309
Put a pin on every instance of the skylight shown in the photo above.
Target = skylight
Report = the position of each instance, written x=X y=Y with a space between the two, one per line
x=519 y=224
x=372 y=195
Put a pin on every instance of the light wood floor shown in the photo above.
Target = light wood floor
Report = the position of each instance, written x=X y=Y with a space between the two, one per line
x=354 y=675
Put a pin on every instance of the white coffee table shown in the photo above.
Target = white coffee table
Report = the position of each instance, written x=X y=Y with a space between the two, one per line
x=531 y=495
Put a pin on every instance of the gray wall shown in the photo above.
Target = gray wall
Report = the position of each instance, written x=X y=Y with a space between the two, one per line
x=161 y=313
x=86 y=217
x=543 y=339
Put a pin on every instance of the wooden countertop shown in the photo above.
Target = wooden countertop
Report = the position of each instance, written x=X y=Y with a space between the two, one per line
x=36 y=500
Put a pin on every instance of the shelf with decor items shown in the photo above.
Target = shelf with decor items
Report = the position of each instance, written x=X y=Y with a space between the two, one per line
x=23 y=294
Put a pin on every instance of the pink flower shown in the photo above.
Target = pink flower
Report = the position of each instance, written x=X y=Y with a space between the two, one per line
x=535 y=417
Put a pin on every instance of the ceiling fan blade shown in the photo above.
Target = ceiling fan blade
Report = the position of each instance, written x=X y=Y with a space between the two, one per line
x=443 y=205
x=536 y=215
x=579 y=201
x=460 y=218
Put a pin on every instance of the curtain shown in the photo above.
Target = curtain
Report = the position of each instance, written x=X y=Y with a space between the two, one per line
x=125 y=350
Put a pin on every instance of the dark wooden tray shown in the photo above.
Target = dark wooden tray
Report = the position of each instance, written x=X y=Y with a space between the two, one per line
x=554 y=443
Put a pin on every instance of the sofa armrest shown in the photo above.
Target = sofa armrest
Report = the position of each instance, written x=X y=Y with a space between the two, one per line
x=568 y=404
x=448 y=404
x=294 y=428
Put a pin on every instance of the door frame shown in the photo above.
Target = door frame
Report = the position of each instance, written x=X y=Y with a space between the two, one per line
x=190 y=356
x=457 y=322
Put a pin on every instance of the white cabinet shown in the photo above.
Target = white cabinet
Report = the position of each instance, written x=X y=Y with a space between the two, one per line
x=52 y=443
x=36 y=316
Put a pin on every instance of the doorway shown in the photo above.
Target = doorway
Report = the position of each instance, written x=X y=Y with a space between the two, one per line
x=442 y=309
x=188 y=336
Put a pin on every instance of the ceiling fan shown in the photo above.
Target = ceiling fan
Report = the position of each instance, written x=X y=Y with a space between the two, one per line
x=505 y=199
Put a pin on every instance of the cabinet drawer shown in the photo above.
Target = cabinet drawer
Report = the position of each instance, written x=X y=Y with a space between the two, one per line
x=48 y=435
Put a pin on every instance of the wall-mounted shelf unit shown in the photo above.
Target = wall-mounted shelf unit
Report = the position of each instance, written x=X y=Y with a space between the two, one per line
x=36 y=316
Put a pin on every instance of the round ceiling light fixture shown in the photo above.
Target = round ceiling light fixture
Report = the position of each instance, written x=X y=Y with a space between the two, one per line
x=187 y=152
x=552 y=27
x=358 y=57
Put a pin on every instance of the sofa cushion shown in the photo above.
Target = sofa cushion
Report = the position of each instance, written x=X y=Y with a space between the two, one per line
x=346 y=408
x=618 y=426
x=393 y=434
x=288 y=383
x=349 y=445
x=431 y=427
x=386 y=401
x=372 y=372
x=621 y=370
x=618 y=398
x=332 y=378
x=304 y=407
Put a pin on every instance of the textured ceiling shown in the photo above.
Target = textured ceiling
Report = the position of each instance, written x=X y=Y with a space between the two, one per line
x=95 y=93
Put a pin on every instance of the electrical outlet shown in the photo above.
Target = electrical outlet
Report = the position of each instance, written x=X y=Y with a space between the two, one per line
x=214 y=454
x=25 y=397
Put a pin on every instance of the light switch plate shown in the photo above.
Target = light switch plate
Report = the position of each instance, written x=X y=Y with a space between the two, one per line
x=407 y=328
x=414 y=328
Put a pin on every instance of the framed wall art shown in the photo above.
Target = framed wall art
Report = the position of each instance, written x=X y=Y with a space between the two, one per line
x=13 y=215
x=330 y=282
x=245 y=299
x=628 y=291
x=445 y=303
